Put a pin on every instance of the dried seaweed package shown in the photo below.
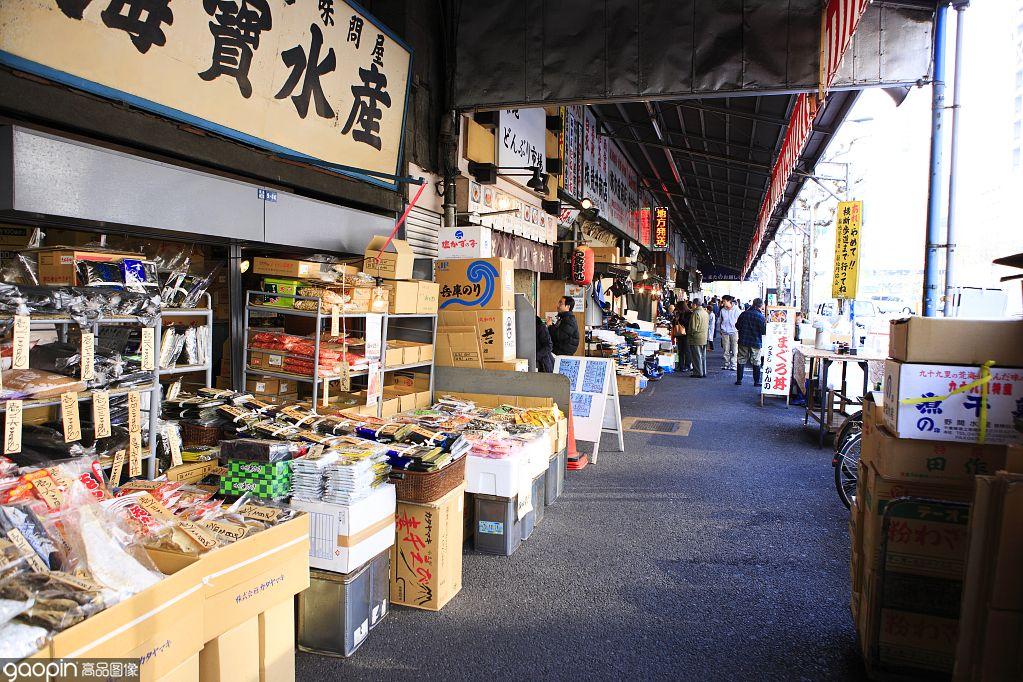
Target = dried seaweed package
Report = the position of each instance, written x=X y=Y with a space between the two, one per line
x=95 y=274
x=141 y=276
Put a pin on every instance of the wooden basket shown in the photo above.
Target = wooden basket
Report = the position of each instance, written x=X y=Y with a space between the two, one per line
x=196 y=434
x=414 y=486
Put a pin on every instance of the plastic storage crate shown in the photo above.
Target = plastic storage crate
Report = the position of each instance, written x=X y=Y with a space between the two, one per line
x=496 y=530
x=337 y=611
x=539 y=496
x=555 y=481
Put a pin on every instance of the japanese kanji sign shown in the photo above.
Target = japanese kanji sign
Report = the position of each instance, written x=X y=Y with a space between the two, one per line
x=660 y=242
x=848 y=222
x=776 y=377
x=316 y=79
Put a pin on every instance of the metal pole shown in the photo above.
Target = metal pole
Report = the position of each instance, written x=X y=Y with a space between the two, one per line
x=931 y=259
x=953 y=159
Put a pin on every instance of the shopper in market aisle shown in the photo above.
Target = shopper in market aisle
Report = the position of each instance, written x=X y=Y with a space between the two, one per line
x=751 y=326
x=544 y=358
x=729 y=336
x=712 y=324
x=696 y=334
x=679 y=322
x=564 y=330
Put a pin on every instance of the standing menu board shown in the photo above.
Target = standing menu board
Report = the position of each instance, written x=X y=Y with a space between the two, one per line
x=594 y=392
x=776 y=378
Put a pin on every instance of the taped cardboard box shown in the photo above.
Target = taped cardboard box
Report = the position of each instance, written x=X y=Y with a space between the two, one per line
x=300 y=269
x=269 y=385
x=145 y=626
x=229 y=656
x=476 y=283
x=406 y=397
x=495 y=329
x=426 y=561
x=458 y=347
x=245 y=578
x=264 y=360
x=952 y=341
x=396 y=264
x=628 y=384
x=947 y=416
x=277 y=643
x=345 y=537
x=186 y=672
x=519 y=365
x=56 y=265
x=465 y=242
x=417 y=297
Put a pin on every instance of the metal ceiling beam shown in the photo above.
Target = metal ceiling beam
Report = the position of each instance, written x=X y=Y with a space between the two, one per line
x=725 y=111
x=734 y=160
x=686 y=134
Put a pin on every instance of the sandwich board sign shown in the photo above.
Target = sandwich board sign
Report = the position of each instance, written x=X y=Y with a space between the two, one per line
x=595 y=406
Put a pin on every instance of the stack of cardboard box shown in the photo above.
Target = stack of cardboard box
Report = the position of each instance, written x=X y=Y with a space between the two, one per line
x=406 y=295
x=922 y=443
x=272 y=390
x=476 y=324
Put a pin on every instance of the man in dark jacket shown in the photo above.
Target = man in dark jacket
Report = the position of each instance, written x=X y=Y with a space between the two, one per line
x=751 y=326
x=565 y=330
x=544 y=359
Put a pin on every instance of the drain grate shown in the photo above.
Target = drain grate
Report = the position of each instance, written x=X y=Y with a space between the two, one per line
x=666 y=427
x=656 y=425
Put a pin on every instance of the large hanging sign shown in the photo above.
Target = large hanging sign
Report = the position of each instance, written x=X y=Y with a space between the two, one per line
x=643 y=221
x=594 y=163
x=848 y=222
x=521 y=140
x=623 y=192
x=776 y=377
x=660 y=242
x=571 y=140
x=522 y=219
x=323 y=81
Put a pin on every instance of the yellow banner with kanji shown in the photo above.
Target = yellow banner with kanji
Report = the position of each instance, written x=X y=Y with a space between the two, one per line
x=848 y=224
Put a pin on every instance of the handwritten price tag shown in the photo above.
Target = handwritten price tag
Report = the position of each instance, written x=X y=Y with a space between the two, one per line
x=148 y=349
x=116 y=469
x=101 y=413
x=346 y=376
x=134 y=412
x=88 y=356
x=335 y=321
x=175 y=446
x=71 y=418
x=22 y=338
x=326 y=392
x=12 y=427
x=134 y=454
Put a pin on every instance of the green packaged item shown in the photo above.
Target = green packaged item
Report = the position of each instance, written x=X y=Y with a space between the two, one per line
x=287 y=288
x=269 y=470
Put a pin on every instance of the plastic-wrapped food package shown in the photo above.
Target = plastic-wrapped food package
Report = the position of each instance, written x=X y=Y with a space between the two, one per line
x=169 y=349
x=10 y=608
x=59 y=600
x=197 y=287
x=21 y=269
x=190 y=347
x=34 y=383
x=65 y=358
x=141 y=276
x=99 y=274
x=18 y=640
x=21 y=521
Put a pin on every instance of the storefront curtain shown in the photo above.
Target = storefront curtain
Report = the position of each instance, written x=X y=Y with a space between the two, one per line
x=528 y=255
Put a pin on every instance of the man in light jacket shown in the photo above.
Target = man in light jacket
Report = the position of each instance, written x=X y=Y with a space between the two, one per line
x=696 y=335
x=729 y=334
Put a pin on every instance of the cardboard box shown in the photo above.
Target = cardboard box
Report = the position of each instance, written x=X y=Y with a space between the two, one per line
x=476 y=283
x=1014 y=459
x=412 y=298
x=229 y=656
x=193 y=472
x=243 y=579
x=145 y=626
x=465 y=242
x=278 y=399
x=628 y=384
x=952 y=341
x=518 y=365
x=344 y=537
x=605 y=254
x=950 y=417
x=277 y=643
x=928 y=461
x=458 y=347
x=301 y=269
x=186 y=672
x=406 y=397
x=270 y=385
x=495 y=329
x=426 y=561
x=266 y=360
x=389 y=407
x=396 y=264
x=562 y=433
x=57 y=264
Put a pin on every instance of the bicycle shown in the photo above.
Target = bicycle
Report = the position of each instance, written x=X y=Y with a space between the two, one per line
x=846 y=460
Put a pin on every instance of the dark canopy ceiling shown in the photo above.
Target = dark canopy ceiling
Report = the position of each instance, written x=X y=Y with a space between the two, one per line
x=710 y=160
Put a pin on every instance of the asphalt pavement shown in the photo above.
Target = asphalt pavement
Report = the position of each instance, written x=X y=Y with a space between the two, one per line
x=720 y=555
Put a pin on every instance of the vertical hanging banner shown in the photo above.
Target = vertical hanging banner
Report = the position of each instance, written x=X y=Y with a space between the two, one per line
x=323 y=81
x=848 y=221
x=776 y=376
x=660 y=242
x=841 y=17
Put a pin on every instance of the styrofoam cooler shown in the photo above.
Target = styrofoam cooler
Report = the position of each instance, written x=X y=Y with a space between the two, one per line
x=505 y=477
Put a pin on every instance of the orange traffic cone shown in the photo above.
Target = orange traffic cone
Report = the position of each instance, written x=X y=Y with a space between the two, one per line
x=575 y=460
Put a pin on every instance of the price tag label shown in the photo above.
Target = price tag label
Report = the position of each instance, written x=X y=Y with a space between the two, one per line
x=134 y=454
x=326 y=392
x=148 y=350
x=175 y=446
x=88 y=356
x=71 y=418
x=134 y=412
x=259 y=513
x=12 y=427
x=101 y=413
x=335 y=321
x=22 y=338
x=315 y=451
x=345 y=384
x=47 y=489
x=229 y=532
x=116 y=469
x=16 y=537
x=76 y=581
x=200 y=535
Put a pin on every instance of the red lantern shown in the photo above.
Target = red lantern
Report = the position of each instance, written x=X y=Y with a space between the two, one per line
x=581 y=265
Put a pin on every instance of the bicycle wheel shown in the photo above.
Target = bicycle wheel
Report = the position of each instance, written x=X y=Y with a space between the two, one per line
x=847 y=466
x=852 y=424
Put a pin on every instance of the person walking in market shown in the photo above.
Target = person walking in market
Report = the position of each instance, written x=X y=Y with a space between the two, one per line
x=678 y=329
x=751 y=326
x=564 y=330
x=729 y=335
x=696 y=335
x=544 y=358
x=712 y=324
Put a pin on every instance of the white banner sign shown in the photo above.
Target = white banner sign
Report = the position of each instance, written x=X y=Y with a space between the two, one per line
x=776 y=377
x=521 y=140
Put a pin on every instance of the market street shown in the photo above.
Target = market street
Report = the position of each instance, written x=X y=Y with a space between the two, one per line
x=719 y=555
